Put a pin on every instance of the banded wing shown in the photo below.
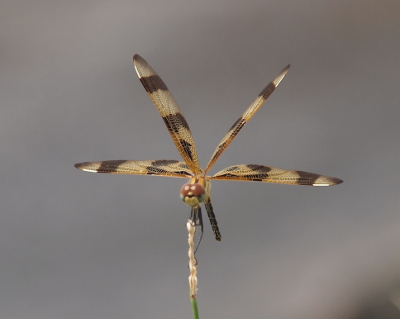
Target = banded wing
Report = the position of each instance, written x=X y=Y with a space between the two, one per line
x=267 y=174
x=171 y=168
x=169 y=110
x=247 y=115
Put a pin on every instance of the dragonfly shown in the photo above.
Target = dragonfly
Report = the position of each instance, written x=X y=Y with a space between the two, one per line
x=197 y=190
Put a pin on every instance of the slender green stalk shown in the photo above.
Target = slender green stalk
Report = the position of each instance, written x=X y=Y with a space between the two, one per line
x=194 y=307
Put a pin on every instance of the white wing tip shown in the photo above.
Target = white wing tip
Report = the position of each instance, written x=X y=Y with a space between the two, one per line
x=89 y=170
x=320 y=184
x=280 y=77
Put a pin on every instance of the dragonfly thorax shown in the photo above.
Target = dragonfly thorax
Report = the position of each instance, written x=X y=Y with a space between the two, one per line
x=193 y=194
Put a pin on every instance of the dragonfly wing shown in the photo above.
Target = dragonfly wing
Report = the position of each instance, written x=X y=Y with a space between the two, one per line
x=171 y=168
x=169 y=110
x=267 y=174
x=237 y=126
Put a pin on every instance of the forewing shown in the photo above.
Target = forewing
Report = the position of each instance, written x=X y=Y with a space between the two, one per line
x=169 y=110
x=237 y=126
x=171 y=168
x=267 y=174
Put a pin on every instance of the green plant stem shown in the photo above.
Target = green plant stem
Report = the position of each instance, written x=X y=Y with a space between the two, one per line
x=193 y=300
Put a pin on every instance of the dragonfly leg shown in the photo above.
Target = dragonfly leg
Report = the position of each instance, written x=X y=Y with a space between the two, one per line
x=197 y=218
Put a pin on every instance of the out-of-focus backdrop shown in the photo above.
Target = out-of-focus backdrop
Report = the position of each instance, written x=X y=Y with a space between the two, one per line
x=80 y=245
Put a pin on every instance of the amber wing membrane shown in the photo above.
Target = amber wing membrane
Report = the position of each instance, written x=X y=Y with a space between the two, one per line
x=171 y=168
x=247 y=115
x=173 y=118
x=267 y=174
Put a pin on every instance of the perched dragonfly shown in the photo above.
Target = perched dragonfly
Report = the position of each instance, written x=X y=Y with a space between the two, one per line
x=197 y=190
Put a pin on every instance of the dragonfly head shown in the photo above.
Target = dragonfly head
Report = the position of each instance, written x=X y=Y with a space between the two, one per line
x=193 y=194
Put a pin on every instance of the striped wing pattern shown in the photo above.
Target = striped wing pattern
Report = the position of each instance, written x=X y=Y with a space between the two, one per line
x=247 y=115
x=183 y=139
x=171 y=168
x=169 y=110
x=267 y=174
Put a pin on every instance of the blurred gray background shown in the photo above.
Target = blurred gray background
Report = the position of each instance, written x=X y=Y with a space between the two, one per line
x=80 y=245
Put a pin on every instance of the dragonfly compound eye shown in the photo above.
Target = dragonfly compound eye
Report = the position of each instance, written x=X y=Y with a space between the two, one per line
x=193 y=194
